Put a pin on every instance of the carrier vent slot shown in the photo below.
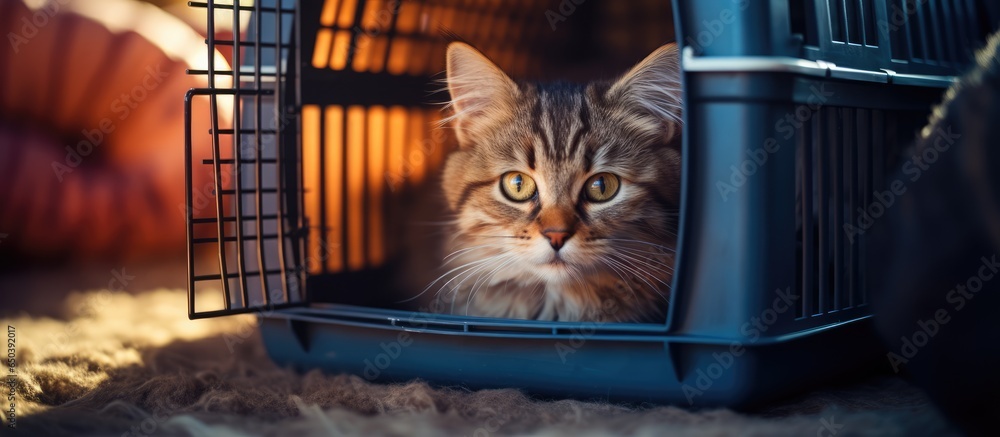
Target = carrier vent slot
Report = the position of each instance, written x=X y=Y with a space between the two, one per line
x=869 y=22
x=802 y=15
x=853 y=21
x=843 y=158
x=838 y=25
x=937 y=32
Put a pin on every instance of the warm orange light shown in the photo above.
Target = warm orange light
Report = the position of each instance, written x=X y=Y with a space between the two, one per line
x=379 y=47
x=310 y=174
x=338 y=60
x=355 y=187
x=376 y=184
x=500 y=29
x=409 y=14
x=329 y=10
x=334 y=148
x=436 y=59
x=445 y=17
x=362 y=53
x=397 y=148
x=346 y=19
x=437 y=148
x=417 y=146
x=418 y=57
x=463 y=21
x=399 y=55
x=482 y=32
x=369 y=18
x=321 y=55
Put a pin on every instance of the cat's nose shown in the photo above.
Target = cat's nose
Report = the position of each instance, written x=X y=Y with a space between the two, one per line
x=557 y=237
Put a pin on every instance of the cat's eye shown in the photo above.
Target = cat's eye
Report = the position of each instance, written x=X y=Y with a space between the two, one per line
x=517 y=186
x=601 y=187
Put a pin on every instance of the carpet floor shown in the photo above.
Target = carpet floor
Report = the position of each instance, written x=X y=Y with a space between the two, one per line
x=124 y=364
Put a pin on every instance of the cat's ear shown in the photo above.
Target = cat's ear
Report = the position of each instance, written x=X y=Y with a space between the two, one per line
x=481 y=94
x=651 y=91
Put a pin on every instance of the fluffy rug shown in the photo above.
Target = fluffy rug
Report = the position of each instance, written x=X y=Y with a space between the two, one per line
x=123 y=364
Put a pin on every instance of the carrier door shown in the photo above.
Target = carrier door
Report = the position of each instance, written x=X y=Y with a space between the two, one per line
x=243 y=182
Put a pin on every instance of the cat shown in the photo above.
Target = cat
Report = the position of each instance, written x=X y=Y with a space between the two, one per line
x=565 y=196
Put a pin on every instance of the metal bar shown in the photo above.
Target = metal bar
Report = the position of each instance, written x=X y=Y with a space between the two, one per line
x=216 y=277
x=302 y=223
x=247 y=131
x=239 y=239
x=188 y=202
x=231 y=219
x=238 y=151
x=210 y=5
x=278 y=108
x=196 y=72
x=216 y=155
x=210 y=314
x=229 y=42
x=245 y=161
x=266 y=190
x=259 y=165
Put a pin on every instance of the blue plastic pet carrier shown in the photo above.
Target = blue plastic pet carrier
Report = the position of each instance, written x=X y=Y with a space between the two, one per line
x=795 y=113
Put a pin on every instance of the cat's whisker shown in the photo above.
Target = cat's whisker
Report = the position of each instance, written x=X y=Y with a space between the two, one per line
x=645 y=270
x=667 y=268
x=469 y=271
x=498 y=262
x=641 y=252
x=480 y=282
x=464 y=250
x=641 y=274
x=641 y=242
x=620 y=275
x=428 y=287
x=478 y=268
x=483 y=263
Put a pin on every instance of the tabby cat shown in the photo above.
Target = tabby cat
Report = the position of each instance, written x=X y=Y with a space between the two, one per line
x=565 y=196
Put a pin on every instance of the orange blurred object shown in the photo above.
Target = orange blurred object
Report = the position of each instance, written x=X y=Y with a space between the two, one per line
x=92 y=128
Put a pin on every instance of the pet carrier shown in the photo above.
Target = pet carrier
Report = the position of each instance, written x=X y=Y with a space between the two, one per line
x=795 y=114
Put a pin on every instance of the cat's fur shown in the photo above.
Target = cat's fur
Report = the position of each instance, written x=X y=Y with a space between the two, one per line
x=617 y=263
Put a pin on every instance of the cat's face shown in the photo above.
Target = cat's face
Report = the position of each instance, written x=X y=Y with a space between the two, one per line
x=560 y=182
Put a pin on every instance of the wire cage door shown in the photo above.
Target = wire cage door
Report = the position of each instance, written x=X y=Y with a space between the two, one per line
x=243 y=175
